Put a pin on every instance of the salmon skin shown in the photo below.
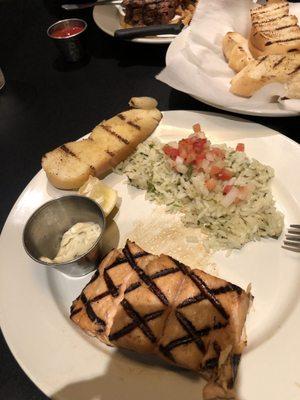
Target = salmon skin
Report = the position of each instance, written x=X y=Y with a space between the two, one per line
x=157 y=305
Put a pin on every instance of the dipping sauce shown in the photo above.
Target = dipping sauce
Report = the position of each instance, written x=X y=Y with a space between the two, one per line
x=66 y=31
x=75 y=242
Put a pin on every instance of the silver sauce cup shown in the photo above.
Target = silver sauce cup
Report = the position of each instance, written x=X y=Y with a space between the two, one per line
x=43 y=232
x=72 y=46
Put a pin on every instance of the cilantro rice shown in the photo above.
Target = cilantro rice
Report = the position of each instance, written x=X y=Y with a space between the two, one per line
x=227 y=227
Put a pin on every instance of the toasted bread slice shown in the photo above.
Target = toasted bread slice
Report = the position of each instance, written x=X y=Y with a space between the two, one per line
x=269 y=12
x=121 y=134
x=255 y=51
x=293 y=87
x=236 y=51
x=70 y=165
x=273 y=31
x=230 y=40
x=64 y=170
x=92 y=153
x=277 y=41
x=264 y=70
x=279 y=48
x=276 y=24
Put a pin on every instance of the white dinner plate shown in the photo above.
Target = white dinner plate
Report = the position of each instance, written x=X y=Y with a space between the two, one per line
x=68 y=365
x=107 y=18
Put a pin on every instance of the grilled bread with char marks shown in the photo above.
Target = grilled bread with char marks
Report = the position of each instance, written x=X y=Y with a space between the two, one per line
x=264 y=70
x=273 y=31
x=293 y=87
x=157 y=305
x=70 y=165
x=236 y=51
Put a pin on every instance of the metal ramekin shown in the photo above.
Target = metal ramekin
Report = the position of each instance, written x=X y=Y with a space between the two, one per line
x=71 y=47
x=44 y=229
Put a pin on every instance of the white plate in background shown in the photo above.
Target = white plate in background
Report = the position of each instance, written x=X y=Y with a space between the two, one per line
x=107 y=18
x=68 y=365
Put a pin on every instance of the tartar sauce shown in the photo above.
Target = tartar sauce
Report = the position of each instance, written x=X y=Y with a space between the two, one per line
x=75 y=242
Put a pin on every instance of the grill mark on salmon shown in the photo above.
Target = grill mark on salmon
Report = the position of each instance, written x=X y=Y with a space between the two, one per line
x=91 y=313
x=190 y=330
x=159 y=274
x=132 y=287
x=130 y=327
x=209 y=295
x=112 y=132
x=74 y=312
x=99 y=297
x=203 y=289
x=211 y=363
x=144 y=277
x=95 y=276
x=166 y=350
x=138 y=320
x=222 y=290
x=122 y=260
x=113 y=290
x=117 y=262
x=164 y=272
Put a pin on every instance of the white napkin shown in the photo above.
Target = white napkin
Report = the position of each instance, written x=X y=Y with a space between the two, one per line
x=195 y=61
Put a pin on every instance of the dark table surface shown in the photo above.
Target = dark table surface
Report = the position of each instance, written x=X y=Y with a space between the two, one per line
x=46 y=103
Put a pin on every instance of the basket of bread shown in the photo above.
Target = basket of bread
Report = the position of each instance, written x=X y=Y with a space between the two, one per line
x=271 y=53
x=241 y=56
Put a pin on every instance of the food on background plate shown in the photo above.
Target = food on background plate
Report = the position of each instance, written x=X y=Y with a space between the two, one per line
x=274 y=30
x=110 y=142
x=236 y=51
x=214 y=187
x=146 y=103
x=96 y=190
x=293 y=88
x=274 y=43
x=157 y=305
x=75 y=242
x=265 y=70
x=152 y=12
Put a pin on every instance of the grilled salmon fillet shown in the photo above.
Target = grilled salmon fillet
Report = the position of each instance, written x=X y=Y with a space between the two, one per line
x=155 y=304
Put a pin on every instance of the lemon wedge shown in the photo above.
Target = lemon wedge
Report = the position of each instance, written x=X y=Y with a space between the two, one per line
x=96 y=190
